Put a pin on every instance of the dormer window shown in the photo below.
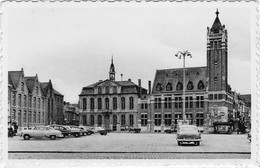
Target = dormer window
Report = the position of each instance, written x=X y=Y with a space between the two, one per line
x=169 y=87
x=200 y=85
x=99 y=90
x=190 y=86
x=179 y=86
x=158 y=87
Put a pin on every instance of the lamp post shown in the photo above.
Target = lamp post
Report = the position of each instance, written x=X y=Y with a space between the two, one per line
x=183 y=55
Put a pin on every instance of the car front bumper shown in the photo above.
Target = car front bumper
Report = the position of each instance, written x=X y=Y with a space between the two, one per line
x=188 y=140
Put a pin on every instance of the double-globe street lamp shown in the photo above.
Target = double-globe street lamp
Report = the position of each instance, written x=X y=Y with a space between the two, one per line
x=183 y=55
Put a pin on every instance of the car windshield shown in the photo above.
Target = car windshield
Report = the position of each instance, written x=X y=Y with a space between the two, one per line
x=188 y=129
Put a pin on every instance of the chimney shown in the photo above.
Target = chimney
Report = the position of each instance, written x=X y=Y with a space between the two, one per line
x=129 y=80
x=149 y=87
x=140 y=88
x=121 y=77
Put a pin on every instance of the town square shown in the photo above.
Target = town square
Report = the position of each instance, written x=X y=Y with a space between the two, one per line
x=133 y=83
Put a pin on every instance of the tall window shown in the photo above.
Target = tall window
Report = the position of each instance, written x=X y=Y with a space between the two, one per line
x=199 y=119
x=25 y=101
x=99 y=90
x=84 y=104
x=84 y=120
x=42 y=104
x=19 y=100
x=199 y=102
x=24 y=116
x=114 y=89
x=20 y=118
x=30 y=101
x=92 y=103
x=131 y=120
x=22 y=86
x=107 y=103
x=143 y=119
x=42 y=117
x=107 y=89
x=123 y=120
x=14 y=99
x=99 y=120
x=39 y=103
x=178 y=102
x=14 y=115
x=99 y=103
x=34 y=117
x=157 y=103
x=122 y=103
x=92 y=120
x=157 y=119
x=188 y=102
x=131 y=103
x=167 y=119
x=114 y=103
x=37 y=90
x=30 y=117
x=167 y=102
x=39 y=117
x=34 y=102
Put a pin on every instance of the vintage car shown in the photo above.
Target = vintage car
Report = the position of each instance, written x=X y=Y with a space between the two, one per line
x=63 y=129
x=21 y=129
x=40 y=132
x=74 y=131
x=82 y=131
x=100 y=130
x=86 y=130
x=188 y=134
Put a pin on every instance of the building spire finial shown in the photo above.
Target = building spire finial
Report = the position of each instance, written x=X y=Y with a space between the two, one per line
x=217 y=13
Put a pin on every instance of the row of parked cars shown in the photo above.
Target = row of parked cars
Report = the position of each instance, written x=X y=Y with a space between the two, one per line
x=59 y=131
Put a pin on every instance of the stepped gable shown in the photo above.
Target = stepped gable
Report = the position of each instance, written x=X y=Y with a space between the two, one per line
x=173 y=76
x=13 y=78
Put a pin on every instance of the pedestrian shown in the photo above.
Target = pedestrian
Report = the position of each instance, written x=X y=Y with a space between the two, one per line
x=10 y=131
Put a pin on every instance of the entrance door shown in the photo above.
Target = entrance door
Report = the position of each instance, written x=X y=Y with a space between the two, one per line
x=114 y=122
x=107 y=121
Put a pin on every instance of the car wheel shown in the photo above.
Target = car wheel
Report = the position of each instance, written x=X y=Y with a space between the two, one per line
x=63 y=135
x=52 y=137
x=76 y=135
x=197 y=143
x=26 y=137
x=179 y=143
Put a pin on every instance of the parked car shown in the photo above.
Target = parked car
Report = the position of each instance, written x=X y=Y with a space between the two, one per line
x=170 y=130
x=20 y=129
x=73 y=131
x=85 y=130
x=63 y=129
x=100 y=130
x=40 y=132
x=82 y=132
x=188 y=134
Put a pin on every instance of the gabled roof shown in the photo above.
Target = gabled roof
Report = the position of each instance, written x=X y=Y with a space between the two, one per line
x=45 y=87
x=173 y=76
x=57 y=93
x=13 y=77
x=30 y=82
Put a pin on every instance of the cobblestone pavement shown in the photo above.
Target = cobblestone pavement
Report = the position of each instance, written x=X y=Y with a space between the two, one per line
x=131 y=145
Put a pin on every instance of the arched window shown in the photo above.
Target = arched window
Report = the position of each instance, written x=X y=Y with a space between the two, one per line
x=92 y=103
x=84 y=120
x=34 y=102
x=158 y=87
x=24 y=117
x=99 y=120
x=14 y=99
x=25 y=101
x=30 y=117
x=39 y=103
x=122 y=103
x=168 y=86
x=37 y=90
x=22 y=86
x=114 y=119
x=34 y=117
x=179 y=86
x=123 y=120
x=20 y=100
x=39 y=117
x=107 y=103
x=200 y=85
x=84 y=101
x=92 y=120
x=99 y=103
x=14 y=114
x=131 y=103
x=42 y=117
x=131 y=120
x=190 y=85
x=114 y=103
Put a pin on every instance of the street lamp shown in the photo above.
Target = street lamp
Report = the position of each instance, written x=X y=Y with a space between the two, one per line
x=183 y=55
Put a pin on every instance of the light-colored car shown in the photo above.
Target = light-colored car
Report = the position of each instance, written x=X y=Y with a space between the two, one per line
x=74 y=131
x=100 y=130
x=40 y=132
x=188 y=134
x=21 y=129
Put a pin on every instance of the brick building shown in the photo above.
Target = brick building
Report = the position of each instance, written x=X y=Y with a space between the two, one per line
x=29 y=100
x=208 y=96
x=109 y=103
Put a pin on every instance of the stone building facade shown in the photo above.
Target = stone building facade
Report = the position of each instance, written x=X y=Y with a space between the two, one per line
x=110 y=104
x=29 y=100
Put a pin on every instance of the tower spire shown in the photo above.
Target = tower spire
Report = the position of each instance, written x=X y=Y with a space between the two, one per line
x=112 y=70
x=217 y=12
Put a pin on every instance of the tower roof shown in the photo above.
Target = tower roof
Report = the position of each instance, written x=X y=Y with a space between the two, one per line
x=112 y=67
x=217 y=24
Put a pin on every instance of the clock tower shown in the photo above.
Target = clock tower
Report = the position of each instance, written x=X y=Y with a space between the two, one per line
x=217 y=61
x=112 y=71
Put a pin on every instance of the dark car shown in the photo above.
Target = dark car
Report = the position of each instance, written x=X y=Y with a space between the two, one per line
x=170 y=130
x=63 y=129
x=74 y=131
x=188 y=134
x=85 y=130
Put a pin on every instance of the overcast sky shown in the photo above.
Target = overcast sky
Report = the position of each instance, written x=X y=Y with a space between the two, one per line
x=73 y=46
